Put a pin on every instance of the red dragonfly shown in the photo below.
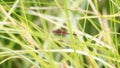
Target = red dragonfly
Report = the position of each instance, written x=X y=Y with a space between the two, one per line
x=62 y=32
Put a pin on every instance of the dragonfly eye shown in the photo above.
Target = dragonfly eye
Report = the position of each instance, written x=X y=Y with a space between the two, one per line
x=74 y=34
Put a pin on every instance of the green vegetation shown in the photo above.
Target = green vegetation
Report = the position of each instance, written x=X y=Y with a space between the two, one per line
x=59 y=34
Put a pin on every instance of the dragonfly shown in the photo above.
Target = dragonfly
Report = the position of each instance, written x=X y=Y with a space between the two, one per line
x=65 y=36
x=62 y=32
